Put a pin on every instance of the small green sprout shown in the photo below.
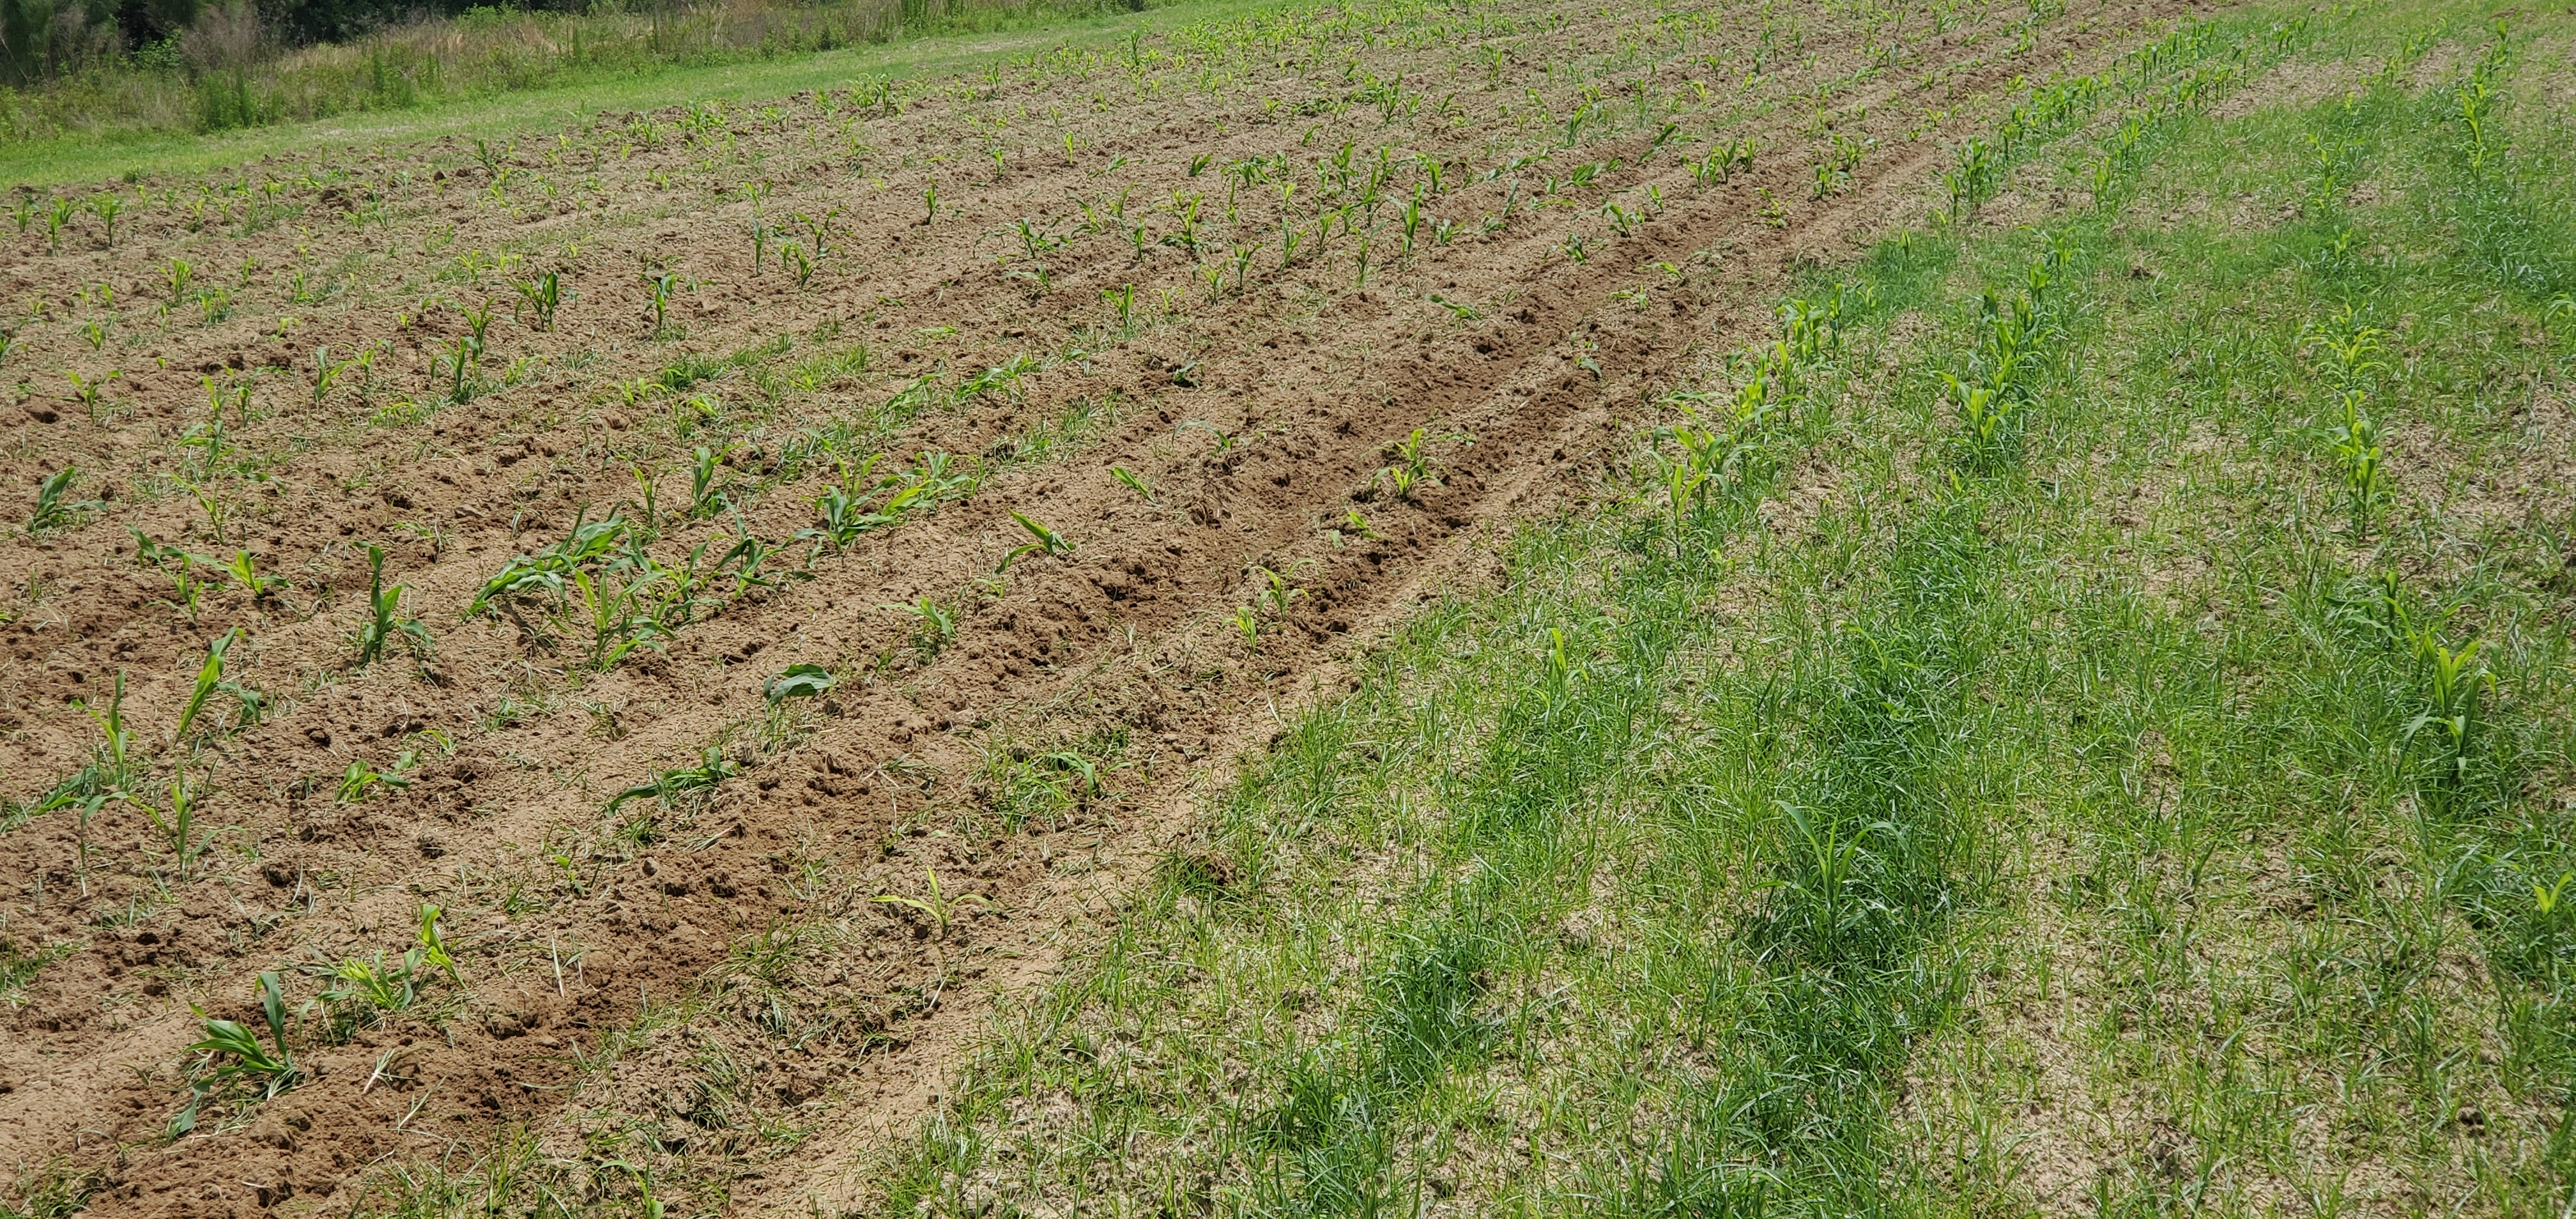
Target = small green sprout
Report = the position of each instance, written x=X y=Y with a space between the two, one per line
x=1045 y=541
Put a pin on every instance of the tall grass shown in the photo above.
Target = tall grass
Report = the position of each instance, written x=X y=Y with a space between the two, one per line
x=485 y=51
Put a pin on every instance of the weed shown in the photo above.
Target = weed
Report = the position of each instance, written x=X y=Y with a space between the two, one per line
x=798 y=681
x=938 y=906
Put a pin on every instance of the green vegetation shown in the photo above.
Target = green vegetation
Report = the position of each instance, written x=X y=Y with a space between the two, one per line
x=493 y=71
x=2111 y=793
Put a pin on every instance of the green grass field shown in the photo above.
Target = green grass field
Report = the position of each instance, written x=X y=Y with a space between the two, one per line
x=2080 y=725
x=2078 y=718
x=84 y=159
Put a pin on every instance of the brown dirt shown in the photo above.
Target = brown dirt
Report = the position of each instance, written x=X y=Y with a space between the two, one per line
x=617 y=1001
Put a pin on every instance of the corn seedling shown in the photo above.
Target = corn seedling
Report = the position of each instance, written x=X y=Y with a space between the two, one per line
x=210 y=678
x=713 y=768
x=432 y=945
x=177 y=826
x=385 y=621
x=705 y=465
x=938 y=907
x=541 y=297
x=1043 y=541
x=375 y=989
x=933 y=625
x=662 y=286
x=88 y=389
x=1985 y=414
x=362 y=779
x=234 y=1056
x=106 y=207
x=55 y=512
x=2452 y=682
x=327 y=374
x=1133 y=483
x=2357 y=449
x=549 y=571
x=1272 y=593
x=1247 y=626
x=844 y=519
x=621 y=619
x=1972 y=181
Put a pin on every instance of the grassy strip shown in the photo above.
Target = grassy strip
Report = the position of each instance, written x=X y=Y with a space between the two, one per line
x=2300 y=946
x=88 y=158
x=1714 y=800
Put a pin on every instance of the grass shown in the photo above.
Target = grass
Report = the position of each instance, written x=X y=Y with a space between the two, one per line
x=2084 y=804
x=506 y=115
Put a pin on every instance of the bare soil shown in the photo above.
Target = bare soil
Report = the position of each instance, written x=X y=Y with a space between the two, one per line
x=718 y=993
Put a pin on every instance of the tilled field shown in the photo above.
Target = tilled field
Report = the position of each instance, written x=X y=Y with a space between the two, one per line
x=1067 y=419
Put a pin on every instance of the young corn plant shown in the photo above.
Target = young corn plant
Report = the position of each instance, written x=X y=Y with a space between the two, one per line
x=622 y=618
x=235 y=1060
x=2359 y=453
x=177 y=825
x=664 y=787
x=549 y=571
x=386 y=622
x=661 y=286
x=1042 y=541
x=1143 y=490
x=798 y=681
x=328 y=374
x=55 y=512
x=1972 y=181
x=844 y=519
x=2445 y=727
x=706 y=465
x=432 y=945
x=106 y=207
x=934 y=626
x=244 y=569
x=362 y=779
x=541 y=296
x=90 y=391
x=210 y=678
